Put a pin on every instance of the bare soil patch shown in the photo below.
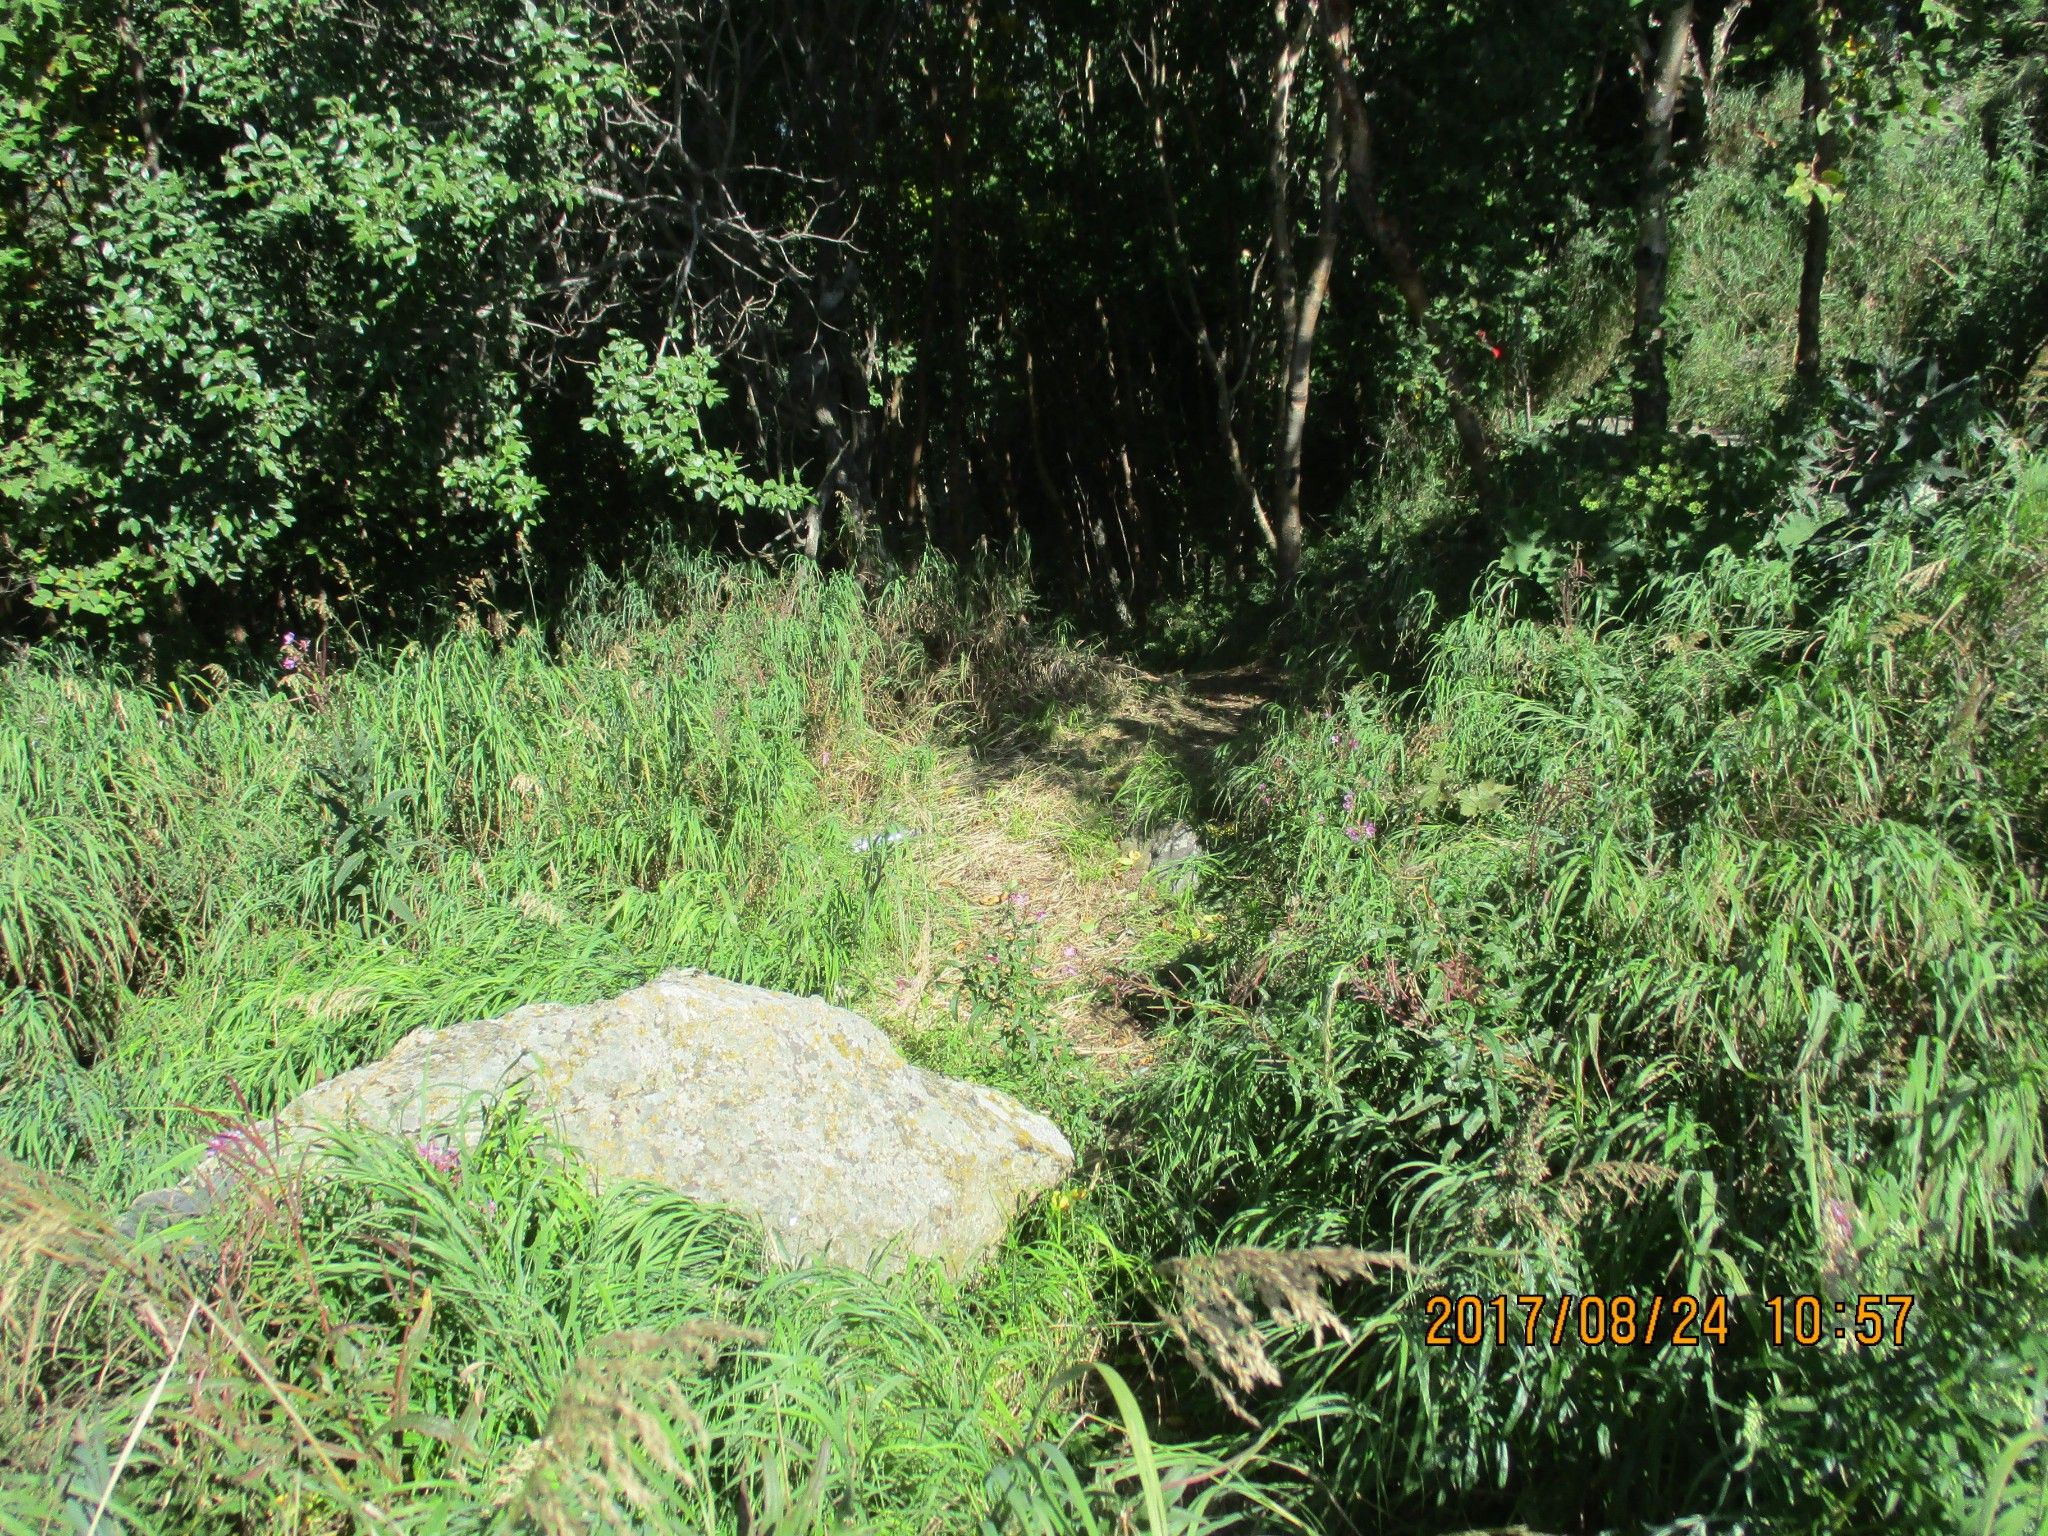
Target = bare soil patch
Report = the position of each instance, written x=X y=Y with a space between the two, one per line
x=1025 y=826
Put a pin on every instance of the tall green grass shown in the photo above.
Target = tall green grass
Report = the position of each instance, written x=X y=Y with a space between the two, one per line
x=216 y=896
x=1934 y=245
x=213 y=895
x=393 y=1346
x=1695 y=945
x=1698 y=948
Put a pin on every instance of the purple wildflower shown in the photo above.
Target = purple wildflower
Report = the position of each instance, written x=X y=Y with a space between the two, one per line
x=231 y=1142
x=293 y=652
x=439 y=1156
x=1840 y=1238
x=1364 y=831
x=1350 y=801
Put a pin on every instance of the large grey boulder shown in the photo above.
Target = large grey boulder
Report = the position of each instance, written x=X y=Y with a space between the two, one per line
x=788 y=1109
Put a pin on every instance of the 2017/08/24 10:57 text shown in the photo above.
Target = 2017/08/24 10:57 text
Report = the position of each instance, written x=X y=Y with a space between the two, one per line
x=1675 y=1321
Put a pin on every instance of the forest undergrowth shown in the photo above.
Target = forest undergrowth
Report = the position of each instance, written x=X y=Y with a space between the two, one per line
x=1688 y=946
x=1591 y=1077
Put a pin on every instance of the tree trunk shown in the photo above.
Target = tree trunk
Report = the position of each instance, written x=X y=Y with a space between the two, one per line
x=951 y=120
x=1392 y=243
x=1709 y=66
x=1223 y=395
x=145 y=112
x=1144 y=566
x=1814 y=106
x=1315 y=288
x=1301 y=299
x=1653 y=241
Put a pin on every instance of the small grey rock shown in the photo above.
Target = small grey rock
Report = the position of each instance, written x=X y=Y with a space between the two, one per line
x=163 y=1208
x=1173 y=844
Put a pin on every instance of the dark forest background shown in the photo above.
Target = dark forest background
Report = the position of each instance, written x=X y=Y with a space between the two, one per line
x=313 y=311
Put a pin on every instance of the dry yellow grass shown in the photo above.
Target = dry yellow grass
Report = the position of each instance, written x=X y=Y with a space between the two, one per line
x=1021 y=822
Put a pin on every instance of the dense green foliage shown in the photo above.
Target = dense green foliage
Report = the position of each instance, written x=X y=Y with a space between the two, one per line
x=233 y=356
x=1696 y=950
x=313 y=310
x=500 y=499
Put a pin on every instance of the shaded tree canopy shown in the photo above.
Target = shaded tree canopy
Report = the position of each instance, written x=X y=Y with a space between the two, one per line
x=319 y=302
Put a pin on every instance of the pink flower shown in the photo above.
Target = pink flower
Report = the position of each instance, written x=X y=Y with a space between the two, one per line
x=1365 y=831
x=439 y=1156
x=234 y=1141
x=1350 y=800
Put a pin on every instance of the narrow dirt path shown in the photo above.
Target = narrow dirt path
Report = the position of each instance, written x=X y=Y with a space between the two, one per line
x=1028 y=832
x=1204 y=710
x=1185 y=715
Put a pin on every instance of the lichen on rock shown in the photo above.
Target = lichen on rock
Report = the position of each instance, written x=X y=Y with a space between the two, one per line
x=799 y=1114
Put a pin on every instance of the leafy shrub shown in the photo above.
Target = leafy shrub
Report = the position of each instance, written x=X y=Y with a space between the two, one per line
x=230 y=358
x=655 y=409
